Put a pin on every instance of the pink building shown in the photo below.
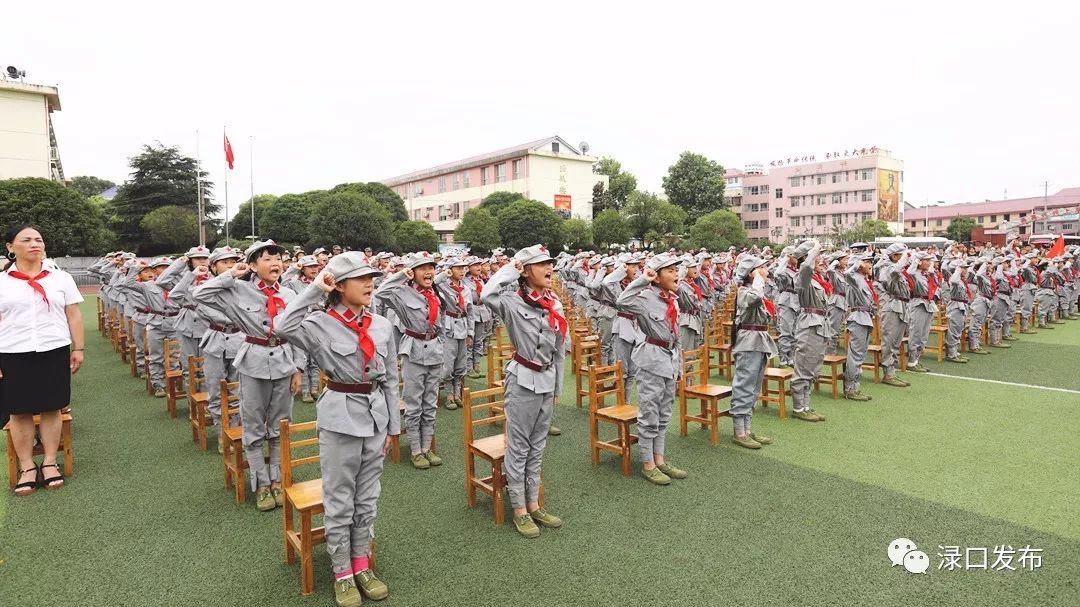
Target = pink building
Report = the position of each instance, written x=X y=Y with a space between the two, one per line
x=1018 y=217
x=817 y=195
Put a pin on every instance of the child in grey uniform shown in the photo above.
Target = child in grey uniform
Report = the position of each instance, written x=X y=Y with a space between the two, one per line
x=752 y=347
x=625 y=332
x=811 y=329
x=160 y=314
x=411 y=296
x=535 y=324
x=862 y=303
x=458 y=329
x=268 y=374
x=357 y=413
x=652 y=299
x=894 y=311
x=691 y=306
x=190 y=327
x=480 y=316
x=297 y=278
x=960 y=297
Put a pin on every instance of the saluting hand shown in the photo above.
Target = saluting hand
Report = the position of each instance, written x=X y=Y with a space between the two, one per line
x=239 y=270
x=201 y=271
x=650 y=274
x=325 y=281
x=408 y=273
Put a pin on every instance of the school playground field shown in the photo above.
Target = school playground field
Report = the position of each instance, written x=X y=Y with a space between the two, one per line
x=959 y=459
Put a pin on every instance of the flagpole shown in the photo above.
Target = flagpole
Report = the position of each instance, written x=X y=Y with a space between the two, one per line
x=251 y=175
x=198 y=189
x=224 y=135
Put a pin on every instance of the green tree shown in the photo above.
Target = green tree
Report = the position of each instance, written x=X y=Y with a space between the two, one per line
x=90 y=186
x=960 y=229
x=70 y=224
x=620 y=183
x=650 y=218
x=497 y=201
x=577 y=233
x=479 y=229
x=240 y=224
x=525 y=222
x=601 y=199
x=351 y=220
x=866 y=231
x=696 y=184
x=610 y=228
x=382 y=194
x=172 y=228
x=717 y=231
x=160 y=177
x=285 y=219
x=415 y=236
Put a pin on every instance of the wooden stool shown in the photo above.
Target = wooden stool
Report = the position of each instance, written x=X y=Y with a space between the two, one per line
x=780 y=376
x=835 y=363
x=607 y=382
x=174 y=378
x=873 y=353
x=39 y=449
x=694 y=385
x=491 y=449
x=938 y=332
x=305 y=498
x=232 y=441
x=198 y=416
x=584 y=353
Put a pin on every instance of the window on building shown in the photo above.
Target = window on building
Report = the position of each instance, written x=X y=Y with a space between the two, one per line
x=765 y=189
x=821 y=199
x=847 y=175
x=837 y=219
x=500 y=173
x=465 y=179
x=867 y=195
x=1066 y=226
x=779 y=212
x=416 y=214
x=455 y=181
x=796 y=222
x=913 y=224
x=993 y=218
x=483 y=175
x=517 y=169
x=867 y=174
x=418 y=189
x=819 y=220
x=819 y=179
x=779 y=192
x=867 y=216
x=555 y=146
x=937 y=223
x=979 y=219
x=442 y=184
x=836 y=198
x=836 y=177
x=1006 y=218
x=795 y=181
x=763 y=224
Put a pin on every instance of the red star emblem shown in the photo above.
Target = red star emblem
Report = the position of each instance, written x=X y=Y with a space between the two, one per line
x=542 y=249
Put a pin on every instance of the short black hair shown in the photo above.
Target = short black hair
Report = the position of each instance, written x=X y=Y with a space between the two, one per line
x=13 y=231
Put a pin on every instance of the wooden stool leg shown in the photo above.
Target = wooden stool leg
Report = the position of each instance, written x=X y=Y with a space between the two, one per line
x=307 y=559
x=714 y=423
x=69 y=458
x=497 y=492
x=782 y=396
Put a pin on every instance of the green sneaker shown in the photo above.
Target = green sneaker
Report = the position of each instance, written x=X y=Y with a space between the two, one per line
x=346 y=593
x=1028 y=332
x=1047 y=327
x=525 y=526
x=1000 y=345
x=655 y=476
x=554 y=430
x=278 y=493
x=819 y=416
x=980 y=351
x=264 y=500
x=432 y=458
x=307 y=398
x=892 y=380
x=160 y=393
x=672 y=471
x=917 y=368
x=371 y=586
x=420 y=462
x=764 y=440
x=1057 y=322
x=806 y=415
x=451 y=403
x=476 y=373
x=747 y=442
x=858 y=396
x=545 y=519
x=957 y=359
x=1010 y=338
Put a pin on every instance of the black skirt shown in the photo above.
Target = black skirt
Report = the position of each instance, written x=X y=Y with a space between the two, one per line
x=35 y=382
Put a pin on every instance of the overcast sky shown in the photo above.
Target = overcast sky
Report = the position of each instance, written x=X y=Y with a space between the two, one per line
x=974 y=100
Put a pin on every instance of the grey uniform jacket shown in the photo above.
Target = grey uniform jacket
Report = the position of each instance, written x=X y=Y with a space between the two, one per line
x=784 y=281
x=922 y=289
x=603 y=307
x=896 y=289
x=625 y=328
x=1004 y=289
x=457 y=322
x=750 y=310
x=149 y=296
x=411 y=307
x=479 y=312
x=336 y=350
x=690 y=307
x=838 y=299
x=642 y=299
x=190 y=322
x=245 y=306
x=961 y=293
x=811 y=295
x=530 y=331
x=860 y=299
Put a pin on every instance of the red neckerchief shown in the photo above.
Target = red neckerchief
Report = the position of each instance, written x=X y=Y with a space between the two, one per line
x=32 y=281
x=200 y=279
x=770 y=306
x=709 y=279
x=870 y=285
x=967 y=287
x=367 y=345
x=672 y=312
x=273 y=303
x=993 y=283
x=556 y=321
x=432 y=304
x=696 y=288
x=166 y=293
x=479 y=286
x=910 y=280
x=1038 y=277
x=1012 y=281
x=933 y=285
x=818 y=278
x=460 y=298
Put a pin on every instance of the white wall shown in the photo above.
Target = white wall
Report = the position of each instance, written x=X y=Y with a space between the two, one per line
x=24 y=135
x=572 y=175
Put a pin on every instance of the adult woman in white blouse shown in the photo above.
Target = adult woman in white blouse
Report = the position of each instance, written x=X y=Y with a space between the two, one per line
x=41 y=346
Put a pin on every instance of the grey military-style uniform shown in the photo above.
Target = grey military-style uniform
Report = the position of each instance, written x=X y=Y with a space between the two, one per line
x=481 y=321
x=457 y=330
x=894 y=314
x=658 y=359
x=422 y=349
x=191 y=328
x=1047 y=296
x=1002 y=306
x=812 y=332
x=921 y=311
x=265 y=371
x=837 y=306
x=352 y=427
x=961 y=294
x=980 y=309
x=624 y=328
x=1026 y=295
x=691 y=327
x=309 y=370
x=862 y=307
x=534 y=377
x=752 y=347
x=788 y=302
x=160 y=314
x=604 y=310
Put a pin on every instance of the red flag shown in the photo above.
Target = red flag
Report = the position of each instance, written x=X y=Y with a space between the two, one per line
x=1058 y=249
x=229 y=158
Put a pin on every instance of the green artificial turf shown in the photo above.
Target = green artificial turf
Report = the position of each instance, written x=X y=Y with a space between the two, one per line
x=806 y=521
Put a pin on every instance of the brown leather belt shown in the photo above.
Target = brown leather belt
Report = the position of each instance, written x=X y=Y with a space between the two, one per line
x=418 y=335
x=271 y=342
x=861 y=309
x=224 y=328
x=753 y=327
x=529 y=364
x=360 y=388
x=818 y=311
x=190 y=307
x=158 y=312
x=452 y=314
x=658 y=342
x=901 y=298
x=626 y=316
x=921 y=297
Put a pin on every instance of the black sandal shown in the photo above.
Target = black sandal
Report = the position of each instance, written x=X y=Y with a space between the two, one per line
x=31 y=485
x=50 y=483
